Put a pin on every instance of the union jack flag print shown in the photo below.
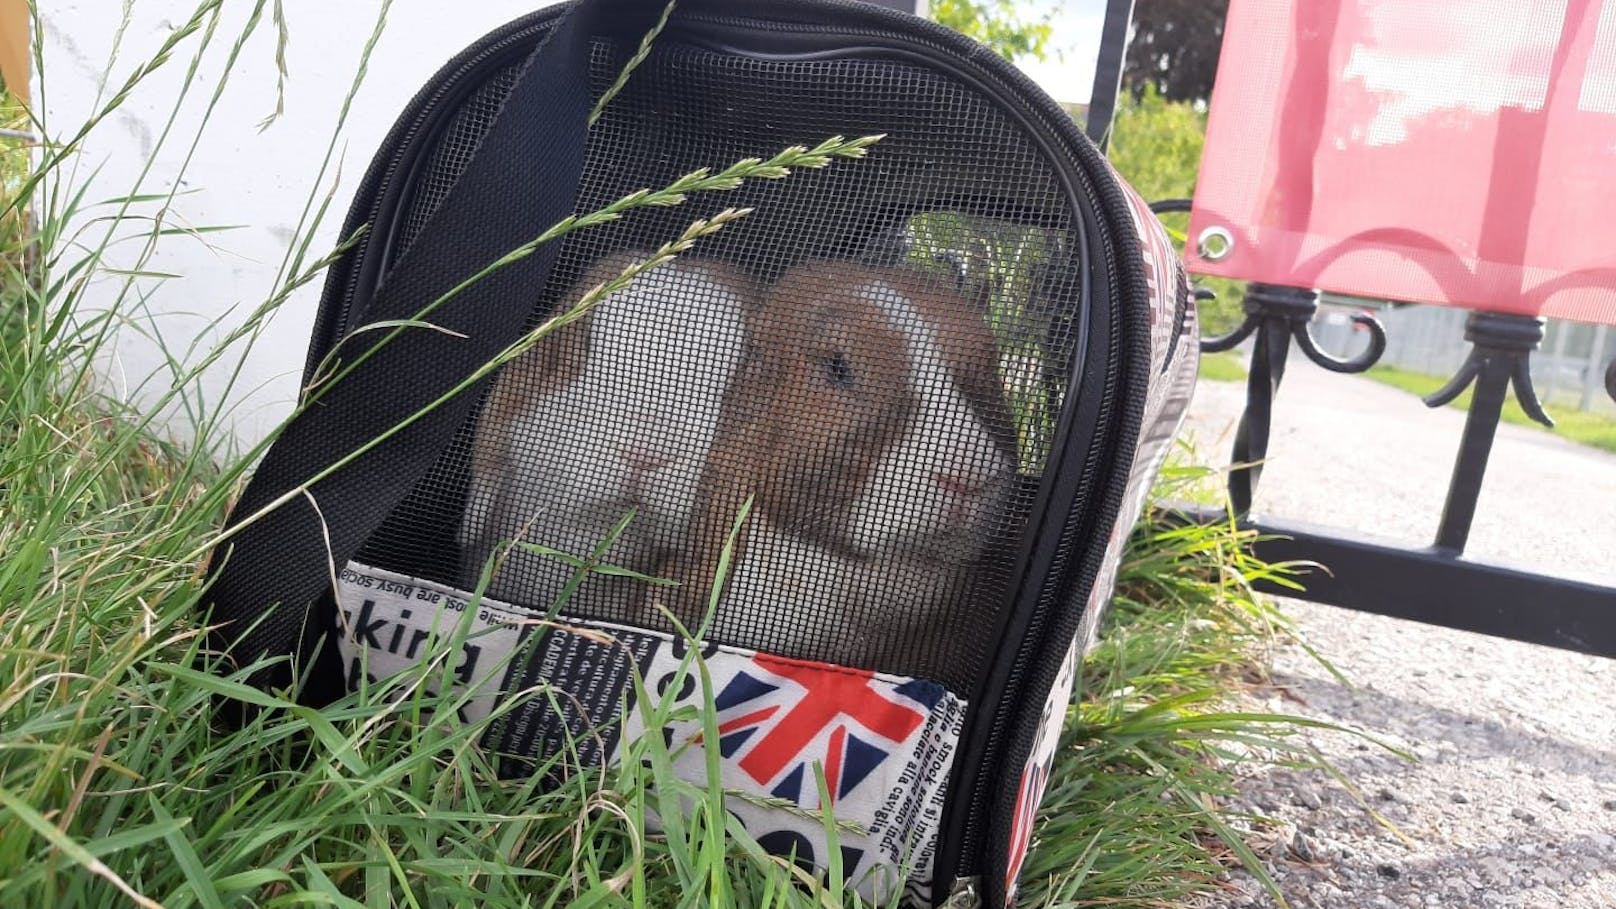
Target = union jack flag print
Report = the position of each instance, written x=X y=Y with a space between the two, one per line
x=778 y=717
x=884 y=743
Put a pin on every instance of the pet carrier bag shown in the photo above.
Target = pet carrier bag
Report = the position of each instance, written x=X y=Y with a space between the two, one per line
x=943 y=377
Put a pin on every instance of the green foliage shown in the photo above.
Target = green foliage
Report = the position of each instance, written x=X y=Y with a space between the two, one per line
x=1149 y=751
x=117 y=787
x=1156 y=145
x=1000 y=24
x=14 y=157
x=1228 y=366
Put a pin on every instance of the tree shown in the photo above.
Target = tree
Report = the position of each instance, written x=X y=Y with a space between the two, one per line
x=997 y=23
x=1175 y=48
x=1156 y=146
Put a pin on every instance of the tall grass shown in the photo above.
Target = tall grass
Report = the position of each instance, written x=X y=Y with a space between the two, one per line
x=118 y=788
x=1132 y=816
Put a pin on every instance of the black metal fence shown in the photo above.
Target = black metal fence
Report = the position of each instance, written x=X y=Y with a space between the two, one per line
x=1436 y=584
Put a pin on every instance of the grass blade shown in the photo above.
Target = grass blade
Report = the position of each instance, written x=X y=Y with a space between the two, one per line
x=69 y=847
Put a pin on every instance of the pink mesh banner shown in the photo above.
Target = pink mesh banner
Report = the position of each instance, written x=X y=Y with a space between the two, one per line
x=1459 y=152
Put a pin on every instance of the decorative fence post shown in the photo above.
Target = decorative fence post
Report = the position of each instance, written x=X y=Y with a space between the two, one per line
x=1500 y=356
x=1278 y=315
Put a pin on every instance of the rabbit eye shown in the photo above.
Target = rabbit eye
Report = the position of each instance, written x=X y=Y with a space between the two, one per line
x=838 y=371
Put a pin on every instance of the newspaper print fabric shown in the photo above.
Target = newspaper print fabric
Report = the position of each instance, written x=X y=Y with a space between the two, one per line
x=884 y=745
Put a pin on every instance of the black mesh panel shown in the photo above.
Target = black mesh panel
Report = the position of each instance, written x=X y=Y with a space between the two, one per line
x=876 y=357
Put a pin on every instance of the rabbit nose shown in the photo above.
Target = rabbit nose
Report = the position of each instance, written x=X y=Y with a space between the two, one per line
x=640 y=459
x=964 y=487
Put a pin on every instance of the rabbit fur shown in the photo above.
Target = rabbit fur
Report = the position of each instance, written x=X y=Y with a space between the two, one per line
x=612 y=413
x=869 y=427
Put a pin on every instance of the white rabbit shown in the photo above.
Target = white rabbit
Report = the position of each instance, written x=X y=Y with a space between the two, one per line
x=610 y=414
x=870 y=428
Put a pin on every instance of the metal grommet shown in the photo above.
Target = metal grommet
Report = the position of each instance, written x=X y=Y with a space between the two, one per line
x=1214 y=244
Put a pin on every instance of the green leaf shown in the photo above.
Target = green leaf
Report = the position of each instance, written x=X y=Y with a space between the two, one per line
x=334 y=742
x=199 y=883
x=69 y=846
x=220 y=686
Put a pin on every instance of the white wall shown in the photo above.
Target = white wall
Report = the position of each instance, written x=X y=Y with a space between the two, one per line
x=237 y=175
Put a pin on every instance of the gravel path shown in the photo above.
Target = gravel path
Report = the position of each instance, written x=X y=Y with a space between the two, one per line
x=1513 y=799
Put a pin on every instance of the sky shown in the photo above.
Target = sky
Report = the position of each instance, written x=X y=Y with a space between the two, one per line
x=1068 y=72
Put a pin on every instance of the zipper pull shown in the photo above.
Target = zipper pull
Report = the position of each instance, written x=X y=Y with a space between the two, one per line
x=963 y=895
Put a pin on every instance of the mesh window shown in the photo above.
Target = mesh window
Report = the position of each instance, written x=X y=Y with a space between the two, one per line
x=875 y=358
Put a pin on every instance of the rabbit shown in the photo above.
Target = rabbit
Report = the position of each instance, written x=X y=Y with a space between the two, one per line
x=870 y=430
x=611 y=413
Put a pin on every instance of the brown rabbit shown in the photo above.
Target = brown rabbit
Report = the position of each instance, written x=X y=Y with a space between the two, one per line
x=869 y=426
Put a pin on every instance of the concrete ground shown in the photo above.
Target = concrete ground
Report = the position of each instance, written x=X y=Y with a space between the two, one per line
x=1513 y=799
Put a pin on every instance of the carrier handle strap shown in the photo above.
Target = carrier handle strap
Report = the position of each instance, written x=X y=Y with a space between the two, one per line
x=522 y=178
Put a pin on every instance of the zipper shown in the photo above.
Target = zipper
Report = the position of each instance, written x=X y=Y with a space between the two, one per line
x=974 y=829
x=963 y=895
x=517 y=32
